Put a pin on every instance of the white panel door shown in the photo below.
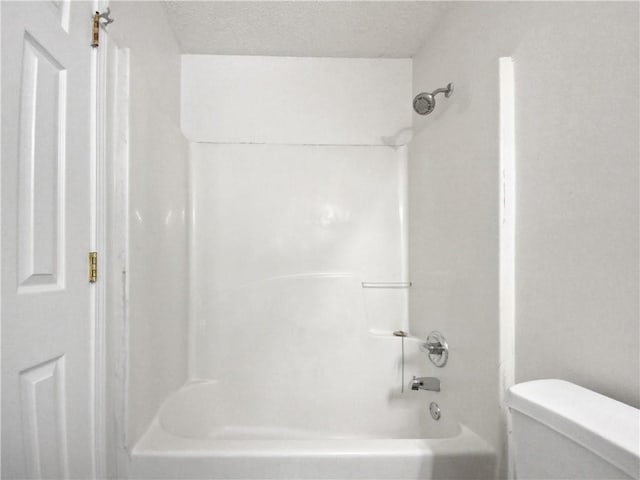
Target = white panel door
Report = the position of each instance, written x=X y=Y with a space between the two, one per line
x=47 y=321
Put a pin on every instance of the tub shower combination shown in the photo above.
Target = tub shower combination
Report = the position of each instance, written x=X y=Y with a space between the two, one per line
x=301 y=363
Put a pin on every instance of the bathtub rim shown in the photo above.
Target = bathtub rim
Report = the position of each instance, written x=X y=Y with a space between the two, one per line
x=157 y=442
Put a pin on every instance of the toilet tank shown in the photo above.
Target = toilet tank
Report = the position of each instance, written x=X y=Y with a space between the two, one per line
x=564 y=431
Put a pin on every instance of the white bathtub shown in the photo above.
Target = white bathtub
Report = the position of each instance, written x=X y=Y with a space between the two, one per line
x=191 y=438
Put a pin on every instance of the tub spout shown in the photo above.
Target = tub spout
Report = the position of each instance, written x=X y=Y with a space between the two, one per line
x=425 y=383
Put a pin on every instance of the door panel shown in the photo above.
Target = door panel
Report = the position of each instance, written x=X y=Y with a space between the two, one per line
x=41 y=158
x=47 y=321
x=42 y=398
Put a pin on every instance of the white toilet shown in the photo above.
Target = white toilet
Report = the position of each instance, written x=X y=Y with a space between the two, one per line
x=564 y=431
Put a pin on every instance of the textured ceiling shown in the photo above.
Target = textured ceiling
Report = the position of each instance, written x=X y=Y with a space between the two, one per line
x=303 y=29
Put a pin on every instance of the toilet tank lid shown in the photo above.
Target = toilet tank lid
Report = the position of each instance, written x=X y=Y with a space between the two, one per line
x=609 y=428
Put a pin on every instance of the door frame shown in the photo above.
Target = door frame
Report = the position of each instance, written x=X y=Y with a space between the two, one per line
x=98 y=229
x=112 y=241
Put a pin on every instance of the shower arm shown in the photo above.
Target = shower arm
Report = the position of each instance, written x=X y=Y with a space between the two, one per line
x=448 y=90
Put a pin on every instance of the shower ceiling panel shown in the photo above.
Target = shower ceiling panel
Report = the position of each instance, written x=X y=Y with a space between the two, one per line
x=349 y=29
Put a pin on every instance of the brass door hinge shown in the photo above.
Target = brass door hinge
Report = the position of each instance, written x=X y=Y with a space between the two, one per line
x=93 y=267
x=95 y=40
x=95 y=31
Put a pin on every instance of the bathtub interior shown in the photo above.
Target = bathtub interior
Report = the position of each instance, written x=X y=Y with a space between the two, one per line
x=192 y=437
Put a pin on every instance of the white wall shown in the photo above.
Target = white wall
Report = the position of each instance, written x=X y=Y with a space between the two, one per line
x=576 y=70
x=577 y=208
x=158 y=275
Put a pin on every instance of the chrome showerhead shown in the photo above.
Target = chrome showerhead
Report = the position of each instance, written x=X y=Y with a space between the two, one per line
x=424 y=102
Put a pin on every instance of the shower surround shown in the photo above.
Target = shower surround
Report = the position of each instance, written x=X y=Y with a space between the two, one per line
x=298 y=196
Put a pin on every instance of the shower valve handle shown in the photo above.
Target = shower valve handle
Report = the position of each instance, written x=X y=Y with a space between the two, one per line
x=436 y=349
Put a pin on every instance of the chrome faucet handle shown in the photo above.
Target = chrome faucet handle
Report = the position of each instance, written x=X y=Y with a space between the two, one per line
x=436 y=349
x=432 y=347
